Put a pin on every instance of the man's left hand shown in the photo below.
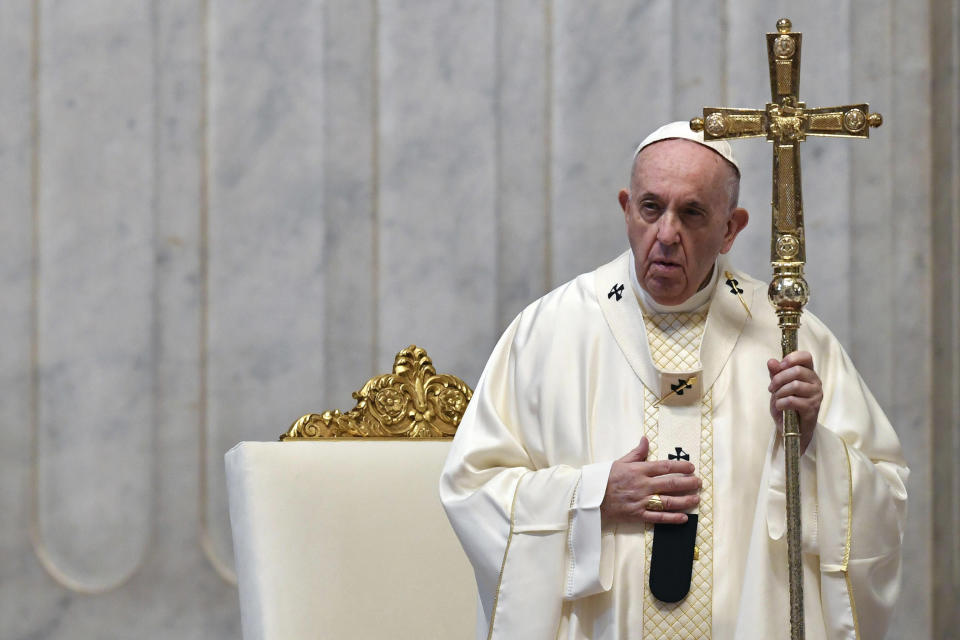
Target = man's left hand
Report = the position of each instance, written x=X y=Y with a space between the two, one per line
x=795 y=385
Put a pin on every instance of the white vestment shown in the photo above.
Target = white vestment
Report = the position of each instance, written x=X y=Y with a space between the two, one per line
x=568 y=390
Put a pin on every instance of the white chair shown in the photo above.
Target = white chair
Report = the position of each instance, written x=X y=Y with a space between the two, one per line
x=338 y=530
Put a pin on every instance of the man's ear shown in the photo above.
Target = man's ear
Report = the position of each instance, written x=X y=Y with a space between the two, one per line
x=738 y=220
x=624 y=197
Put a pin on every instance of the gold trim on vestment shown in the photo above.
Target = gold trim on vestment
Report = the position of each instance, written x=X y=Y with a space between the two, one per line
x=846 y=548
x=730 y=277
x=564 y=607
x=570 y=512
x=690 y=382
x=503 y=563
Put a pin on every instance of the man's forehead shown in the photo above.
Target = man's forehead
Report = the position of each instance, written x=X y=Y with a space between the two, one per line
x=681 y=169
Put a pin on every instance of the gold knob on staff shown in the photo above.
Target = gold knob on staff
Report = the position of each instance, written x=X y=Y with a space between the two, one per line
x=696 y=124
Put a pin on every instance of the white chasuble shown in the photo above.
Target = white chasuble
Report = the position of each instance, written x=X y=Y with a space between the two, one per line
x=571 y=386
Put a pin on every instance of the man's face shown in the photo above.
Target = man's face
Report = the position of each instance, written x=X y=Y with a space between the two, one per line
x=679 y=217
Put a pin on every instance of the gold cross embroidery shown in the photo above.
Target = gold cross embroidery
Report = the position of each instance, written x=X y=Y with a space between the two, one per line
x=685 y=384
x=736 y=290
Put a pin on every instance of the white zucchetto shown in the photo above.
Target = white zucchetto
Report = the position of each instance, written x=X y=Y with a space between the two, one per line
x=681 y=129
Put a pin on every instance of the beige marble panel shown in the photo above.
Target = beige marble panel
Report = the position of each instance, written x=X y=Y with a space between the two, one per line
x=264 y=286
x=613 y=85
x=524 y=98
x=910 y=299
x=349 y=211
x=95 y=292
x=437 y=257
x=190 y=599
x=945 y=44
x=872 y=234
x=699 y=57
x=175 y=593
x=26 y=601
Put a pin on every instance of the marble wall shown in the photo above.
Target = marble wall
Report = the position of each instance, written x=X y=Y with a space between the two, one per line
x=220 y=215
x=945 y=43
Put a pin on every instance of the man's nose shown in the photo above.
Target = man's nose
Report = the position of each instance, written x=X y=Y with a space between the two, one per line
x=668 y=228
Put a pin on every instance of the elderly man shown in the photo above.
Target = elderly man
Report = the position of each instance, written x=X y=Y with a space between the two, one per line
x=619 y=472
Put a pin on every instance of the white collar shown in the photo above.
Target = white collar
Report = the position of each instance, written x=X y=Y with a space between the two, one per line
x=697 y=300
x=726 y=319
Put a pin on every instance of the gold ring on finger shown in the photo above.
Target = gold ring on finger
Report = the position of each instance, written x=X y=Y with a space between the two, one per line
x=655 y=503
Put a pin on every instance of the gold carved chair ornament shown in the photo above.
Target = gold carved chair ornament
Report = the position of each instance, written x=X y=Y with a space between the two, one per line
x=413 y=401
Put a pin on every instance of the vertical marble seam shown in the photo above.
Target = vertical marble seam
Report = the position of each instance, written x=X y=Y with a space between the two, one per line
x=155 y=322
x=953 y=333
x=724 y=50
x=498 y=277
x=34 y=416
x=548 y=144
x=672 y=62
x=206 y=542
x=375 y=185
x=202 y=273
x=913 y=399
x=851 y=185
x=955 y=51
x=945 y=225
x=891 y=177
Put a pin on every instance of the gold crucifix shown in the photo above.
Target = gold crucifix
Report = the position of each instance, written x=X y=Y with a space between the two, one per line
x=786 y=122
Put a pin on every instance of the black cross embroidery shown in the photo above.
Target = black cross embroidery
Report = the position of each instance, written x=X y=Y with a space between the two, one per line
x=616 y=290
x=680 y=386
x=681 y=455
x=734 y=286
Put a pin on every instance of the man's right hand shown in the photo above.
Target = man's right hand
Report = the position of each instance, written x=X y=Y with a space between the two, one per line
x=633 y=481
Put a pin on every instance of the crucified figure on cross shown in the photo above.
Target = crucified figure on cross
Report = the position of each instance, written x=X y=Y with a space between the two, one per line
x=786 y=122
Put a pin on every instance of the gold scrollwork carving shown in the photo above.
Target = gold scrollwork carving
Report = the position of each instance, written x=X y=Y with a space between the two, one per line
x=412 y=402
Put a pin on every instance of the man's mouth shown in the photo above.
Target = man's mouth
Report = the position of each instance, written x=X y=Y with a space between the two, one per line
x=665 y=265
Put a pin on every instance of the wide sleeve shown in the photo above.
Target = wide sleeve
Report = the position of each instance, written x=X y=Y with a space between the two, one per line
x=853 y=492
x=511 y=513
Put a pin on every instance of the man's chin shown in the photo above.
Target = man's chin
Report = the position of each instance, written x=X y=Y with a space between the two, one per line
x=665 y=292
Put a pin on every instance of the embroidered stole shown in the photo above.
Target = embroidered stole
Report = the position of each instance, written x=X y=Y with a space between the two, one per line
x=674 y=340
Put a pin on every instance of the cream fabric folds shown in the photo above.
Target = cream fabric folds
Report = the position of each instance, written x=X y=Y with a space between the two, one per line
x=563 y=395
x=345 y=539
x=853 y=484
